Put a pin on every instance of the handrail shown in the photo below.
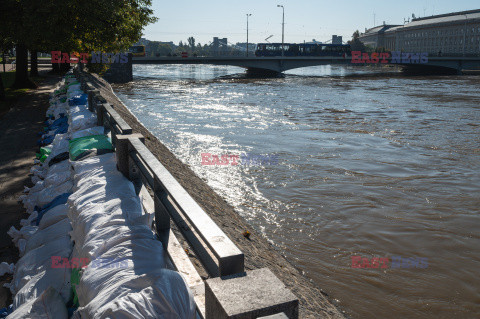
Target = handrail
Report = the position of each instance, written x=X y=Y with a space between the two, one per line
x=172 y=200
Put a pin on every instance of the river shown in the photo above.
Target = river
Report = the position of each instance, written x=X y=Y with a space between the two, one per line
x=357 y=162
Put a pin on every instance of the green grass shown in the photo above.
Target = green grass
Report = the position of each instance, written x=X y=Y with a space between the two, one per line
x=11 y=95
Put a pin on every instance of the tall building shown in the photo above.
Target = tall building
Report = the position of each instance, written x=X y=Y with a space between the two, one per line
x=456 y=33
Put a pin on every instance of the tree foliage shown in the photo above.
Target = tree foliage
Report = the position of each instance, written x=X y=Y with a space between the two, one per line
x=191 y=43
x=73 y=25
x=355 y=43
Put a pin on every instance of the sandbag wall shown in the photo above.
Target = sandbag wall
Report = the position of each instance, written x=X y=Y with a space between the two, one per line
x=87 y=250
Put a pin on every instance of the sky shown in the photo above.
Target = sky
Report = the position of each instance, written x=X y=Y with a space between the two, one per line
x=304 y=19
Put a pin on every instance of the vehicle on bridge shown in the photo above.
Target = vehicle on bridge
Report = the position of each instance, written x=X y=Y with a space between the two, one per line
x=302 y=49
x=137 y=50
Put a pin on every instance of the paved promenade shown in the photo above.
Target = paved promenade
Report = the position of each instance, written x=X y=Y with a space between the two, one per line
x=18 y=136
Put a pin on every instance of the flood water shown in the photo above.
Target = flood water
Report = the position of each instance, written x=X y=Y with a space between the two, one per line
x=370 y=163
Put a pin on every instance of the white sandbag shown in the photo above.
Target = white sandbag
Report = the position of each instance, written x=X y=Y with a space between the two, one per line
x=49 y=234
x=35 y=179
x=58 y=168
x=40 y=258
x=36 y=188
x=121 y=263
x=126 y=211
x=159 y=294
x=49 y=305
x=59 y=145
x=96 y=166
x=95 y=190
x=111 y=181
x=57 y=178
x=46 y=195
x=24 y=233
x=53 y=216
x=82 y=120
x=6 y=268
x=29 y=221
x=57 y=278
x=99 y=240
x=38 y=170
x=77 y=109
x=97 y=130
x=60 y=108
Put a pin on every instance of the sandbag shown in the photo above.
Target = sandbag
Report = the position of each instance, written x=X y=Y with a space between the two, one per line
x=80 y=147
x=49 y=234
x=161 y=293
x=48 y=305
x=53 y=216
x=40 y=258
x=80 y=99
x=24 y=233
x=46 y=195
x=59 y=200
x=57 y=278
x=116 y=211
x=96 y=130
x=101 y=239
x=121 y=263
x=82 y=120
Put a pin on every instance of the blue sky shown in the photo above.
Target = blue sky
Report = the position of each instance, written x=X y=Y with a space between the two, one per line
x=304 y=19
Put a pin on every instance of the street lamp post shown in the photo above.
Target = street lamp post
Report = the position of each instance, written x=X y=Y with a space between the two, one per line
x=465 y=34
x=283 y=26
x=248 y=14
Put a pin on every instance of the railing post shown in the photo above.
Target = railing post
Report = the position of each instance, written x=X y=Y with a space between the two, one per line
x=122 y=154
x=99 y=110
x=92 y=98
x=162 y=217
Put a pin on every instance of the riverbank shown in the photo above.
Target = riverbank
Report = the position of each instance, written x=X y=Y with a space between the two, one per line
x=18 y=135
x=258 y=252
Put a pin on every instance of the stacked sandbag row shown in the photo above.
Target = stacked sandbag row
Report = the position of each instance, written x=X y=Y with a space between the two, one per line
x=40 y=289
x=127 y=276
x=87 y=242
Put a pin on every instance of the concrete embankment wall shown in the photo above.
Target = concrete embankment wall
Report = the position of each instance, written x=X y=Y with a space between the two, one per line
x=258 y=252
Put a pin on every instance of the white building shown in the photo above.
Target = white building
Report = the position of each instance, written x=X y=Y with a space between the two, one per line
x=454 y=34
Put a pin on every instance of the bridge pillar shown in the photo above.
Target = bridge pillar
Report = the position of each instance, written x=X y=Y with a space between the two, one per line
x=257 y=72
x=120 y=72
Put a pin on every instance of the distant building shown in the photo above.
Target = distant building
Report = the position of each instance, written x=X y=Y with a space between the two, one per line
x=456 y=33
x=219 y=45
x=337 y=39
x=375 y=37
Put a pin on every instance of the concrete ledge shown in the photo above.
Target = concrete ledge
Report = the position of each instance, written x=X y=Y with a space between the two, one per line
x=254 y=294
x=277 y=316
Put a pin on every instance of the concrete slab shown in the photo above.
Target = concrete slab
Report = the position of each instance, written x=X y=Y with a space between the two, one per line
x=255 y=294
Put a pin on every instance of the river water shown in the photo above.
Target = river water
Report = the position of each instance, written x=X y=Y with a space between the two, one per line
x=370 y=163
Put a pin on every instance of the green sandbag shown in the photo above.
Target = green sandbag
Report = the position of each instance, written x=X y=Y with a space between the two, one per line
x=84 y=146
x=44 y=152
x=75 y=281
x=43 y=158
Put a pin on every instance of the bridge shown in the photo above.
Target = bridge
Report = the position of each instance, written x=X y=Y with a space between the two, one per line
x=281 y=64
x=123 y=72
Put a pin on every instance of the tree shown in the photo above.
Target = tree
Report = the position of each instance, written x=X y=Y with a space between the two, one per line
x=355 y=43
x=191 y=43
x=71 y=26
